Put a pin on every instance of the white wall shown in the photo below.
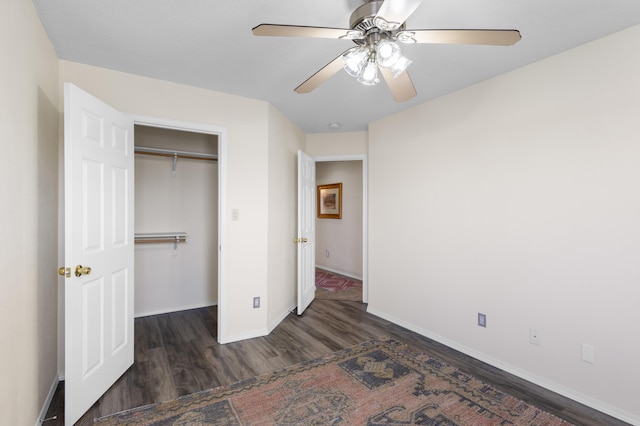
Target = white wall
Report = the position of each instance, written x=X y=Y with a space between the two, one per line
x=284 y=142
x=246 y=124
x=169 y=280
x=519 y=198
x=339 y=241
x=29 y=125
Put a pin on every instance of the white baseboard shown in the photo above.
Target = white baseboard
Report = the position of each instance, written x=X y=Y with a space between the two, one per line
x=281 y=318
x=339 y=272
x=174 y=309
x=47 y=401
x=244 y=336
x=523 y=374
x=260 y=332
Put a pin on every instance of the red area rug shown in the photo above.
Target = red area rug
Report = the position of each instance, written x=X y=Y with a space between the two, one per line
x=333 y=282
x=380 y=382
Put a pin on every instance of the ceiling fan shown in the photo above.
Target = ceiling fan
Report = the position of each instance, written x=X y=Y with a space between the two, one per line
x=376 y=27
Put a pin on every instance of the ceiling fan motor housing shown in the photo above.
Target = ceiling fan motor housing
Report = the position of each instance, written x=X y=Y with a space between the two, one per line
x=362 y=19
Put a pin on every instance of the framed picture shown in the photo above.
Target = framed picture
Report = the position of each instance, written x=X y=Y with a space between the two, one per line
x=330 y=201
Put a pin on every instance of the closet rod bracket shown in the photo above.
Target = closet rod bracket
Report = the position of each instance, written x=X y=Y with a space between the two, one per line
x=175 y=164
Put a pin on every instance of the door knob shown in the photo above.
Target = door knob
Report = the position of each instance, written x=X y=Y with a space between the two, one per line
x=65 y=272
x=300 y=240
x=82 y=270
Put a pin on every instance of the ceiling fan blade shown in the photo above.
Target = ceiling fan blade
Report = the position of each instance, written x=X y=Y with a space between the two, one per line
x=401 y=86
x=397 y=11
x=490 y=37
x=275 y=30
x=323 y=74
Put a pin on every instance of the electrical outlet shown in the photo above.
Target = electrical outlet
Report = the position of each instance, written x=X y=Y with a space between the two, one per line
x=588 y=353
x=482 y=320
x=534 y=337
x=326 y=253
x=256 y=302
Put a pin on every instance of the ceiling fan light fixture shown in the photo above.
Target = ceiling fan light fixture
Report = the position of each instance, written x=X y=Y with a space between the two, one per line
x=355 y=60
x=400 y=66
x=387 y=53
x=369 y=74
x=377 y=27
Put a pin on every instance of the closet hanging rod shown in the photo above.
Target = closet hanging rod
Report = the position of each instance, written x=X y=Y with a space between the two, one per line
x=159 y=240
x=161 y=237
x=175 y=153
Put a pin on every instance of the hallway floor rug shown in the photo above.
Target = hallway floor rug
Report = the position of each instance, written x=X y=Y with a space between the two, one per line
x=333 y=282
x=379 y=382
x=331 y=286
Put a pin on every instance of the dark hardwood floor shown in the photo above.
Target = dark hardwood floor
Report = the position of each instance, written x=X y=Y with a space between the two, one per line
x=177 y=354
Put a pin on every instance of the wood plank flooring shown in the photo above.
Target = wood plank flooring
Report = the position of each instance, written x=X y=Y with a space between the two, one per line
x=177 y=354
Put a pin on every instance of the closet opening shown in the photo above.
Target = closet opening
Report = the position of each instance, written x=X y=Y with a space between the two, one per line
x=176 y=220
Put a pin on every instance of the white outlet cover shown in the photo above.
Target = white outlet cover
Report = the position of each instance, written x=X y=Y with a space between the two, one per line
x=534 y=337
x=588 y=353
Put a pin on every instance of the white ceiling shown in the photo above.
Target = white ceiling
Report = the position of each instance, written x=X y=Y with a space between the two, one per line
x=209 y=44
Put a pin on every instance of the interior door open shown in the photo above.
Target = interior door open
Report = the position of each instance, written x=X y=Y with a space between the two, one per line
x=306 y=231
x=99 y=252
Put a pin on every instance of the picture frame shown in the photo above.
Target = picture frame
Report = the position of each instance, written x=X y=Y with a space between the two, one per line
x=329 y=201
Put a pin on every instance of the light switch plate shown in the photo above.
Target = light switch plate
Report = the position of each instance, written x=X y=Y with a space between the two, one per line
x=482 y=320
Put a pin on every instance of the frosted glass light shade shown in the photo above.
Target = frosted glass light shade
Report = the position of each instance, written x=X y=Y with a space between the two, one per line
x=387 y=53
x=369 y=74
x=400 y=66
x=355 y=60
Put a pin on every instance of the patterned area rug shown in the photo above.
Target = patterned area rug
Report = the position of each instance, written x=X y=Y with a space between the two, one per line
x=380 y=382
x=330 y=286
x=333 y=282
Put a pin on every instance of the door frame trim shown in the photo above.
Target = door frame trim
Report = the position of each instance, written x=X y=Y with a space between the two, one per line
x=365 y=213
x=221 y=132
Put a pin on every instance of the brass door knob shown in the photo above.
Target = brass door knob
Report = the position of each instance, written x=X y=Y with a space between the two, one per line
x=82 y=270
x=65 y=272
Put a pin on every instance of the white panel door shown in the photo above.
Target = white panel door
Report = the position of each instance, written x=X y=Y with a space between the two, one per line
x=306 y=231
x=99 y=203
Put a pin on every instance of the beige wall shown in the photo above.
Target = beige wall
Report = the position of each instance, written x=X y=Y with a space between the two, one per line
x=29 y=123
x=519 y=198
x=340 y=143
x=339 y=241
x=167 y=278
x=284 y=142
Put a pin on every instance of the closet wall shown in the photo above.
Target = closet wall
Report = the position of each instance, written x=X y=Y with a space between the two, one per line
x=171 y=277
